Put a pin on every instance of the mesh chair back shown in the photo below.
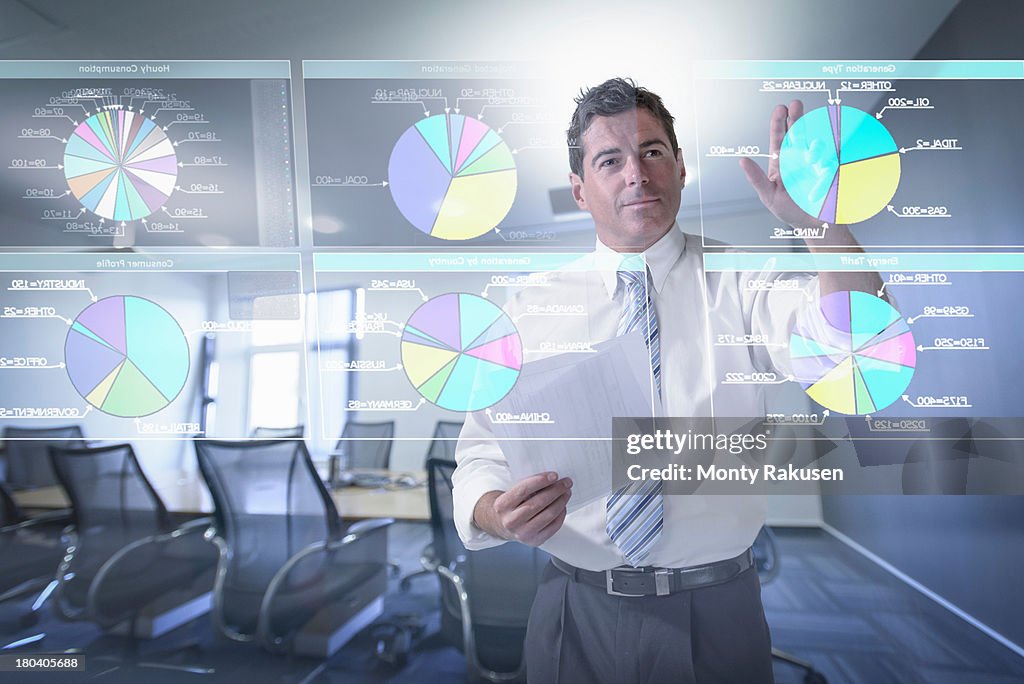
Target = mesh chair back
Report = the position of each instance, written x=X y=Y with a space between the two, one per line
x=446 y=436
x=270 y=503
x=10 y=512
x=366 y=445
x=29 y=554
x=113 y=505
x=28 y=460
x=447 y=544
x=107 y=487
x=501 y=581
x=279 y=433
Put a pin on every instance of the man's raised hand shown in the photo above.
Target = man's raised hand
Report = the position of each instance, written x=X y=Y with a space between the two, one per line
x=769 y=187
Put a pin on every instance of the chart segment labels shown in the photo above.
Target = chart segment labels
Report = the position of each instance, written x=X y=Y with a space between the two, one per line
x=126 y=356
x=452 y=177
x=461 y=352
x=856 y=357
x=120 y=165
x=839 y=164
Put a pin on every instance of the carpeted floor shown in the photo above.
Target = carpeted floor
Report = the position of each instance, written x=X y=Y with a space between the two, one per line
x=828 y=605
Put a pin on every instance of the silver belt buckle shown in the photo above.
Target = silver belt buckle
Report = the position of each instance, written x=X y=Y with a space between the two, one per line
x=608 y=583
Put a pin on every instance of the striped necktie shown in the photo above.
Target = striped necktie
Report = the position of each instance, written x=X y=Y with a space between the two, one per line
x=635 y=512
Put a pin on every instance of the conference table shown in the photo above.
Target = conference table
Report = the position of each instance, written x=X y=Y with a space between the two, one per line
x=185 y=492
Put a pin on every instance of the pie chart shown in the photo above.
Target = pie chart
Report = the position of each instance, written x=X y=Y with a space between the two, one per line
x=461 y=352
x=126 y=356
x=120 y=165
x=452 y=177
x=855 y=356
x=839 y=164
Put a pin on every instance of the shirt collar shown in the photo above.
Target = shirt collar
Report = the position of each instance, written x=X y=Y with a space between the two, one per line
x=660 y=257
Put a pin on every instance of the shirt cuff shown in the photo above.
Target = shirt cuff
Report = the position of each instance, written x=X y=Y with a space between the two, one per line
x=468 y=491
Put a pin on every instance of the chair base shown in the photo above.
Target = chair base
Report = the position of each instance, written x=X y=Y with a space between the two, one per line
x=318 y=640
x=167 y=613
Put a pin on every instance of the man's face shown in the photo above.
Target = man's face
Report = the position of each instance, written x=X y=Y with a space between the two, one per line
x=631 y=179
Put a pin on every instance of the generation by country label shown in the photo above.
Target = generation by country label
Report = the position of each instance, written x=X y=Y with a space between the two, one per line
x=120 y=165
x=126 y=356
x=839 y=164
x=461 y=352
x=452 y=176
x=856 y=355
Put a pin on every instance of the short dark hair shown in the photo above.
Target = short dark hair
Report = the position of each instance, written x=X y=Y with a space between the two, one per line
x=614 y=96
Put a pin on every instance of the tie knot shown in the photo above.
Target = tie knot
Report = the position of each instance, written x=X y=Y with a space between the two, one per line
x=634 y=283
x=631 y=278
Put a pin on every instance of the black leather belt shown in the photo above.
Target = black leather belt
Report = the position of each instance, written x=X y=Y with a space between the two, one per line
x=648 y=581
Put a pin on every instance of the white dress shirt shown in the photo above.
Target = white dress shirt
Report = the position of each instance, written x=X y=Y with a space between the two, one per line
x=697 y=529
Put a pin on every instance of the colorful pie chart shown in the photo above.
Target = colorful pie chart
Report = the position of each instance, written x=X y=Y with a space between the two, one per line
x=839 y=164
x=461 y=352
x=120 y=165
x=126 y=356
x=452 y=177
x=855 y=356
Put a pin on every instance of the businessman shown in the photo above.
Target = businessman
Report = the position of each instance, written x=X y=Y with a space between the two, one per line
x=645 y=587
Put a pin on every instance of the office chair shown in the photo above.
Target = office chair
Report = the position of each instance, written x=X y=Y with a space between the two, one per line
x=364 y=445
x=29 y=547
x=766 y=560
x=28 y=461
x=30 y=551
x=486 y=595
x=290 y=575
x=279 y=432
x=442 y=446
x=126 y=561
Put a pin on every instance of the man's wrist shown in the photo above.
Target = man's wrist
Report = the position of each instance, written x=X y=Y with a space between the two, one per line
x=484 y=516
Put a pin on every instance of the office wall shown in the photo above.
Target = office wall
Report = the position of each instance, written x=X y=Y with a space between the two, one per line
x=968 y=550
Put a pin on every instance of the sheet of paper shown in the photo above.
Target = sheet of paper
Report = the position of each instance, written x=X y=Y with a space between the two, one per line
x=568 y=402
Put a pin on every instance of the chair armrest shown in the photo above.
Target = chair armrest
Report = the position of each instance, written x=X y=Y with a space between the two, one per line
x=452 y=575
x=428 y=558
x=191 y=527
x=63 y=515
x=366 y=528
x=199 y=525
x=224 y=551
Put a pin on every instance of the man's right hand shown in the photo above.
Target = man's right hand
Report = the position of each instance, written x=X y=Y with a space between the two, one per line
x=530 y=512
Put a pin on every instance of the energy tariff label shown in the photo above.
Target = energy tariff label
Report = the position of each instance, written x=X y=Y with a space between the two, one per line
x=933 y=340
x=147 y=153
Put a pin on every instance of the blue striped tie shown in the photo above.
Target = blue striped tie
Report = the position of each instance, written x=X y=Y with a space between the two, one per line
x=635 y=512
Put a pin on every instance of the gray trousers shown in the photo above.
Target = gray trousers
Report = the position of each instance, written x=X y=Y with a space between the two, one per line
x=577 y=633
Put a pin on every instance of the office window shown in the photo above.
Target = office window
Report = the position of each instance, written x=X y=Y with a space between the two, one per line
x=275 y=396
x=273 y=358
x=276 y=366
